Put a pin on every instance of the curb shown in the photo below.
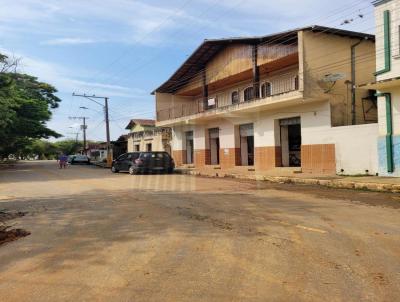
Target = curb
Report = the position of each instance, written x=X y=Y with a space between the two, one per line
x=334 y=183
x=99 y=164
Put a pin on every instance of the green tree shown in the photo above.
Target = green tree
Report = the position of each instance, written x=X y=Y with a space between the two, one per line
x=68 y=146
x=25 y=106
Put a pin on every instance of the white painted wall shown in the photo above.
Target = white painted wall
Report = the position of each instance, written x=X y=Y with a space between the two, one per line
x=315 y=115
x=394 y=8
x=156 y=142
x=355 y=146
x=395 y=112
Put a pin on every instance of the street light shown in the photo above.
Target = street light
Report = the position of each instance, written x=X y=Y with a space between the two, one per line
x=105 y=107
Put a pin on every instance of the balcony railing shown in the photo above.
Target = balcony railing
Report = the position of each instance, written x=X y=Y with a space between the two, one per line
x=277 y=86
x=165 y=133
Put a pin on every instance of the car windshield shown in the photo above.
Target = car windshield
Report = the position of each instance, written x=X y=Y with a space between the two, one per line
x=146 y=155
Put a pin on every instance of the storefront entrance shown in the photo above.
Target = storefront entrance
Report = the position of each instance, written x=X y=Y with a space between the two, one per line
x=290 y=135
x=247 y=144
x=189 y=147
x=214 y=145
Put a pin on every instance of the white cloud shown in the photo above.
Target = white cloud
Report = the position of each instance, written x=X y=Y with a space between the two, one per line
x=68 y=41
x=65 y=80
x=97 y=20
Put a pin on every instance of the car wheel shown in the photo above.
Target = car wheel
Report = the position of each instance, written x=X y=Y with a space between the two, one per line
x=114 y=170
x=170 y=170
x=132 y=170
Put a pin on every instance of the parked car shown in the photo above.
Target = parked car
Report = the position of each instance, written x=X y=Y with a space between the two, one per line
x=70 y=158
x=153 y=162
x=124 y=162
x=80 y=159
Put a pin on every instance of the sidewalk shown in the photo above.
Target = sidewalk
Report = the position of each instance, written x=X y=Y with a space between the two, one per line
x=368 y=183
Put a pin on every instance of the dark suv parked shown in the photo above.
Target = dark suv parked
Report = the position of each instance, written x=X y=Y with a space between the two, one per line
x=153 y=162
x=124 y=162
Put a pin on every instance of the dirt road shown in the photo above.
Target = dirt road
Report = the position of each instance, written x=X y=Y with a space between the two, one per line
x=96 y=236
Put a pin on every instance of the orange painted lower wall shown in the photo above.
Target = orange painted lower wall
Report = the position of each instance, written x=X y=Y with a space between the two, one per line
x=318 y=159
x=179 y=157
x=202 y=157
x=267 y=158
x=228 y=157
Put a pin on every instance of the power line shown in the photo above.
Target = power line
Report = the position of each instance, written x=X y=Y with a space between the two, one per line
x=161 y=52
x=175 y=33
x=140 y=39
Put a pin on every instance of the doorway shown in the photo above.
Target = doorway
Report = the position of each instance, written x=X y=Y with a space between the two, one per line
x=290 y=135
x=214 y=145
x=247 y=144
x=189 y=147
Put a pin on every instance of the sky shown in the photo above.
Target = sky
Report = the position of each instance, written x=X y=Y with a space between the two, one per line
x=124 y=49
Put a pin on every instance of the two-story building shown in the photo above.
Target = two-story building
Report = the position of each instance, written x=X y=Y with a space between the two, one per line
x=387 y=83
x=282 y=100
x=145 y=136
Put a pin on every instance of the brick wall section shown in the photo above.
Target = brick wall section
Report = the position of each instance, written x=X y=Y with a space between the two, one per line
x=179 y=157
x=267 y=158
x=202 y=157
x=319 y=159
x=228 y=160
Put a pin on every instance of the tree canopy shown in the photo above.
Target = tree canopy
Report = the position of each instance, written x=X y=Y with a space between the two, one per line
x=43 y=149
x=26 y=105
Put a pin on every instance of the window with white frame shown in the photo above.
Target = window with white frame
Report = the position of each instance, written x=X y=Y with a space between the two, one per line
x=249 y=94
x=235 y=97
x=398 y=44
x=266 y=90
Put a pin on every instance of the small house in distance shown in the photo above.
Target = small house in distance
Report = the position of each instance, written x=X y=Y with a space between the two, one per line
x=145 y=136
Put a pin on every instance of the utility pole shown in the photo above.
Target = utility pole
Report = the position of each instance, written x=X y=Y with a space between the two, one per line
x=105 y=107
x=83 y=128
x=76 y=135
x=107 y=127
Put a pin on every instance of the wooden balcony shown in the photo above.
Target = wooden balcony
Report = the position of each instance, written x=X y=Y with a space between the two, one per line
x=281 y=88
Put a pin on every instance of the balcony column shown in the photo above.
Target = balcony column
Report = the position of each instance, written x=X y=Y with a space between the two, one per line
x=256 y=73
x=204 y=89
x=201 y=146
x=178 y=148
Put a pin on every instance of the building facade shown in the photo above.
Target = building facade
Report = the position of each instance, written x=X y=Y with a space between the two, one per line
x=145 y=136
x=287 y=100
x=387 y=84
x=97 y=152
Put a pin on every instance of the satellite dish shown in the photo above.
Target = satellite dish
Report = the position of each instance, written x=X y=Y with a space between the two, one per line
x=333 y=77
x=328 y=81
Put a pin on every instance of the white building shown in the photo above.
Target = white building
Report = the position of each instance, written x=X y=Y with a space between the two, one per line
x=387 y=19
x=145 y=136
x=285 y=101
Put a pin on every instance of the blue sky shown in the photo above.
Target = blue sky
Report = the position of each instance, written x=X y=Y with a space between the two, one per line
x=124 y=49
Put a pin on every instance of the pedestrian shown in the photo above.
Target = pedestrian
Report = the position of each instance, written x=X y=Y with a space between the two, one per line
x=62 y=161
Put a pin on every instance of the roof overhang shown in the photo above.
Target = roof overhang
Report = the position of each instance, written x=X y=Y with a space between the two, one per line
x=382 y=85
x=379 y=2
x=209 y=48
